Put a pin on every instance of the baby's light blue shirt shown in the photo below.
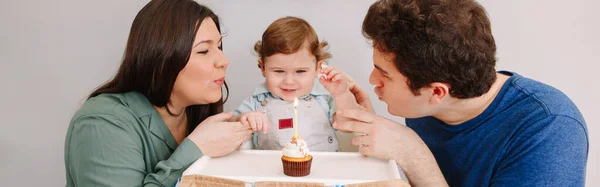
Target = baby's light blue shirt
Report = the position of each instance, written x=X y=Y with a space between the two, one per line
x=261 y=93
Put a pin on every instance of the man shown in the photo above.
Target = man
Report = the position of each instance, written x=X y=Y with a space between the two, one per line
x=467 y=124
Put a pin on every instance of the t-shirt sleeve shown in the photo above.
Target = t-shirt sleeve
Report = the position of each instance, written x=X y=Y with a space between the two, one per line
x=550 y=152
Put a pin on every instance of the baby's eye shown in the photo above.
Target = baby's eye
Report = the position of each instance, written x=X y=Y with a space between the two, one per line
x=301 y=71
x=279 y=71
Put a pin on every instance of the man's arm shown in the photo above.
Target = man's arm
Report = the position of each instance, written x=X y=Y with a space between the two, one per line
x=388 y=140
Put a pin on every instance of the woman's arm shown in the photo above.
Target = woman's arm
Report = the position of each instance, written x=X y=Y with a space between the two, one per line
x=103 y=151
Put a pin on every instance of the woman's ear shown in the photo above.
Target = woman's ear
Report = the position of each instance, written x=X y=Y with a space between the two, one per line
x=438 y=91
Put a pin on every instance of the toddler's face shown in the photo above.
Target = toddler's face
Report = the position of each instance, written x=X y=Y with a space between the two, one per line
x=292 y=75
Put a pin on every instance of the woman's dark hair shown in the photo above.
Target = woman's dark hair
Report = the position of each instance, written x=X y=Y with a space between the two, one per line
x=158 y=48
x=448 y=41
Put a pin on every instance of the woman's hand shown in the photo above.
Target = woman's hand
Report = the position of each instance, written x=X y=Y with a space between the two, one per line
x=216 y=137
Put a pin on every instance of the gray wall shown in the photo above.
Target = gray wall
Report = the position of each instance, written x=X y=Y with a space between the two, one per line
x=53 y=53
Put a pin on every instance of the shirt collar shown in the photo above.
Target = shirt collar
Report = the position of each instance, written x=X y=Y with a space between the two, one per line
x=144 y=110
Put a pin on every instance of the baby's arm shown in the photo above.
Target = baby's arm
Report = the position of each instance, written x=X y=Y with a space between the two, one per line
x=246 y=114
x=248 y=105
x=338 y=84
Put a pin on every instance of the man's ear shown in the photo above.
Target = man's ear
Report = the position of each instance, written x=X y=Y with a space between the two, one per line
x=438 y=92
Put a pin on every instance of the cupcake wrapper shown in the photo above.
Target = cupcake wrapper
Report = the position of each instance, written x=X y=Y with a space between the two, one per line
x=296 y=169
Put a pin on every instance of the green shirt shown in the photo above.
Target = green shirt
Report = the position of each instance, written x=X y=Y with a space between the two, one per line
x=121 y=140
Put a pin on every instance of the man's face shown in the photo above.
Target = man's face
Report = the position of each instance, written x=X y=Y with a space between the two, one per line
x=392 y=88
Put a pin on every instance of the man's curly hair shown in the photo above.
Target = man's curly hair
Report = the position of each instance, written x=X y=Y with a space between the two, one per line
x=447 y=41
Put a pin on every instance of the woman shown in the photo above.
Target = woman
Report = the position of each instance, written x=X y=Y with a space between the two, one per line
x=162 y=110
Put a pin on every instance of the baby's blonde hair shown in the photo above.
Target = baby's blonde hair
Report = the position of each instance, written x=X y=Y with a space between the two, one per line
x=288 y=35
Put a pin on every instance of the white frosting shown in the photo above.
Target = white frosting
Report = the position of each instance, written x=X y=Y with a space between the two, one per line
x=296 y=148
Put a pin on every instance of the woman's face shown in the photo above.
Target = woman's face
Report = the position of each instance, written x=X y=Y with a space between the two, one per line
x=200 y=81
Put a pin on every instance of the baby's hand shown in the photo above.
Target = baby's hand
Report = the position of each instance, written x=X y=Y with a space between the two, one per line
x=335 y=81
x=255 y=120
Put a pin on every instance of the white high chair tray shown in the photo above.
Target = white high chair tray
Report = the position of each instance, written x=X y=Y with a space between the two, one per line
x=331 y=168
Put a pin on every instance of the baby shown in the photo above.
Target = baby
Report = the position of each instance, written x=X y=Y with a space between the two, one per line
x=290 y=57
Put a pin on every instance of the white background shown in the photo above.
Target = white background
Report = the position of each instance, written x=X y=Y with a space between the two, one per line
x=53 y=53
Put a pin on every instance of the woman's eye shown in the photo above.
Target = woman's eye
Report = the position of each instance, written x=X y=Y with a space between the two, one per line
x=203 y=52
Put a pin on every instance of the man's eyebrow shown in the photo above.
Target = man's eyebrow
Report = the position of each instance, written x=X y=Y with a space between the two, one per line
x=379 y=68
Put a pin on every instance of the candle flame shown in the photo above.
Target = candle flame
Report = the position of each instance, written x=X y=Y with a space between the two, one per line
x=295 y=102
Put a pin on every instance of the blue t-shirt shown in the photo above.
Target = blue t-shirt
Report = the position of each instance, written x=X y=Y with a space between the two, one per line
x=531 y=135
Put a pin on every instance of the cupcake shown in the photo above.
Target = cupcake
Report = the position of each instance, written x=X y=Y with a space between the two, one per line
x=296 y=160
